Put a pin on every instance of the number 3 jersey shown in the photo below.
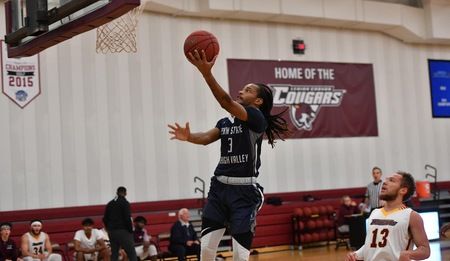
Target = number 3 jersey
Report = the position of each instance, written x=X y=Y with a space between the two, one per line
x=241 y=144
x=387 y=235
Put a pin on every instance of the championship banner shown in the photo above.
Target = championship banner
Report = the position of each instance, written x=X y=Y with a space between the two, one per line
x=19 y=77
x=321 y=99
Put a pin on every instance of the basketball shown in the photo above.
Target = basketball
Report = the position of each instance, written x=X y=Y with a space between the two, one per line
x=202 y=40
x=307 y=211
x=311 y=224
x=298 y=212
x=323 y=210
x=319 y=223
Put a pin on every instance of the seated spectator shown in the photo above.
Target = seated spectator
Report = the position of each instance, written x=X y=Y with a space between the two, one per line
x=89 y=243
x=183 y=238
x=348 y=207
x=122 y=254
x=36 y=246
x=8 y=248
x=144 y=249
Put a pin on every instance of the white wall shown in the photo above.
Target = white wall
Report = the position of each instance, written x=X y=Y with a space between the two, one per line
x=100 y=121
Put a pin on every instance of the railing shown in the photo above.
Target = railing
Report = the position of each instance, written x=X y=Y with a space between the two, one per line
x=433 y=175
x=201 y=190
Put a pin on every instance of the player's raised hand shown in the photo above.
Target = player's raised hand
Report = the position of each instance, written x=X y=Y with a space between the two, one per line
x=198 y=59
x=179 y=132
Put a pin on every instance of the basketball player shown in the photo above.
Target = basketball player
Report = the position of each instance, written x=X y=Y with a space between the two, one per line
x=235 y=196
x=36 y=244
x=89 y=243
x=144 y=248
x=394 y=229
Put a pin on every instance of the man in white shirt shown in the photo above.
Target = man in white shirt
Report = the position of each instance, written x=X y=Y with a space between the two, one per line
x=89 y=243
x=394 y=229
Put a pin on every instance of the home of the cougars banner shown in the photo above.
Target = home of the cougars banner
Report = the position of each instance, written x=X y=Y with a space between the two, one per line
x=321 y=99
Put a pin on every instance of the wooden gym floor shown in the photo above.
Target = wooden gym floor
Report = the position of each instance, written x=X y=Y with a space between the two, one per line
x=440 y=251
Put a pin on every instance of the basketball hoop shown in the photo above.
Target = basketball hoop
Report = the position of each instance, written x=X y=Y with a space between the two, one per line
x=120 y=34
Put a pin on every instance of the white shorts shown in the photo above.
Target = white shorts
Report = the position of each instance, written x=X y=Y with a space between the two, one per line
x=150 y=252
x=51 y=257
x=88 y=257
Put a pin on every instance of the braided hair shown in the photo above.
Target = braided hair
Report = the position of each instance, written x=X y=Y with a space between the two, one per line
x=277 y=126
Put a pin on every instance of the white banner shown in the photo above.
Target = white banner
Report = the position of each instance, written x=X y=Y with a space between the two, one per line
x=20 y=77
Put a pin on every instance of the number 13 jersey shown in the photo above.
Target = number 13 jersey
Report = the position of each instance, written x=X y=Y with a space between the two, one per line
x=387 y=235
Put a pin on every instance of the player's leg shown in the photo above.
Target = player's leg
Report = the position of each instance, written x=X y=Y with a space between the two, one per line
x=127 y=243
x=29 y=258
x=152 y=252
x=241 y=246
x=140 y=252
x=79 y=256
x=179 y=251
x=104 y=254
x=246 y=202
x=212 y=233
x=114 y=246
x=213 y=220
x=54 y=257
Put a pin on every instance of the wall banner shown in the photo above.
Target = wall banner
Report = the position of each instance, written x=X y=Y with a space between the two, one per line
x=19 y=77
x=322 y=99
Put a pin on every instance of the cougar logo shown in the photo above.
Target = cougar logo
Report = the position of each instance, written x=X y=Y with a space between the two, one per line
x=305 y=101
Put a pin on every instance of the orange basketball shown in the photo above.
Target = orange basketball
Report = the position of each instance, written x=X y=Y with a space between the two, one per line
x=202 y=40
x=306 y=238
x=307 y=211
x=301 y=225
x=331 y=235
x=323 y=236
x=311 y=224
x=298 y=212
x=330 y=209
x=319 y=223
x=315 y=237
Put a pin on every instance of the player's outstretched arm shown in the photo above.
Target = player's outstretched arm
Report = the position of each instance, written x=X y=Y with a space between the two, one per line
x=224 y=99
x=184 y=134
x=419 y=238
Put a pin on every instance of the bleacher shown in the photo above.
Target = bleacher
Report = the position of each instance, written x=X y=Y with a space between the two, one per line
x=274 y=223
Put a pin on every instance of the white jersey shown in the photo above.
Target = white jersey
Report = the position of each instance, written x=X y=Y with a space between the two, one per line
x=36 y=246
x=387 y=235
x=86 y=242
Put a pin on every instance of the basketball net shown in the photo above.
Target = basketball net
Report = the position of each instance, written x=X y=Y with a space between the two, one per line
x=120 y=34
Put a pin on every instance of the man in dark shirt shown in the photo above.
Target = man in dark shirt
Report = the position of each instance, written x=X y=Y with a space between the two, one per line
x=183 y=238
x=117 y=220
x=348 y=207
x=8 y=248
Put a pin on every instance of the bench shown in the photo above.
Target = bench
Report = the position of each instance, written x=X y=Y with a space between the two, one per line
x=274 y=225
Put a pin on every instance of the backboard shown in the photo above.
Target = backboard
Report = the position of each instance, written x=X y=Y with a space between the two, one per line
x=35 y=25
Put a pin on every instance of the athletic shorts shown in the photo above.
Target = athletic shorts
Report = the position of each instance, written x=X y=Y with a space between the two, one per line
x=233 y=206
x=143 y=255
